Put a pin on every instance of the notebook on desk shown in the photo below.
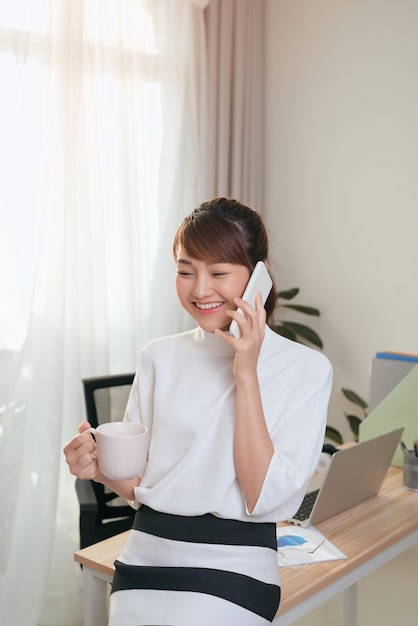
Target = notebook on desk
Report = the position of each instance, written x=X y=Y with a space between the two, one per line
x=355 y=474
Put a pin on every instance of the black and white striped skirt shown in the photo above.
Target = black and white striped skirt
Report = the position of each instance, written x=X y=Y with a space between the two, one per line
x=189 y=571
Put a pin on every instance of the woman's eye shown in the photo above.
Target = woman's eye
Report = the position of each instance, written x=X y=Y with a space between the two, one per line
x=184 y=273
x=217 y=274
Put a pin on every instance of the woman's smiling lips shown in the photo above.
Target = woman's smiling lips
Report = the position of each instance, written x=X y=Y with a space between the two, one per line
x=206 y=308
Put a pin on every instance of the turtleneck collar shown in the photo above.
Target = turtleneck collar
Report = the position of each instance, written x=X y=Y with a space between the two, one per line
x=211 y=343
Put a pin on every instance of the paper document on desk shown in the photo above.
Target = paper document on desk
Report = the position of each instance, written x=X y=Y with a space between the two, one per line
x=301 y=546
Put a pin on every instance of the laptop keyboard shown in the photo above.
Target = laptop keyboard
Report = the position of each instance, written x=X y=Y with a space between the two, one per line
x=306 y=507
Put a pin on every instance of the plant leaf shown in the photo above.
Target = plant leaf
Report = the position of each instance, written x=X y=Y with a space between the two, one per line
x=288 y=294
x=305 y=332
x=333 y=434
x=354 y=422
x=354 y=398
x=307 y=310
x=284 y=331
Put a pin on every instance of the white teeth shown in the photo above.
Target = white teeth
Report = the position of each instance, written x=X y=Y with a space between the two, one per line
x=211 y=305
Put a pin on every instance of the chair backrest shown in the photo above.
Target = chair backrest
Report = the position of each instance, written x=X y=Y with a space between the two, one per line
x=106 y=397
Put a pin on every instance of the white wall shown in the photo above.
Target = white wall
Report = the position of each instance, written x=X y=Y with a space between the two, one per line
x=341 y=174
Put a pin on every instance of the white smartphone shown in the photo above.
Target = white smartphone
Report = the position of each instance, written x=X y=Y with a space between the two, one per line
x=259 y=281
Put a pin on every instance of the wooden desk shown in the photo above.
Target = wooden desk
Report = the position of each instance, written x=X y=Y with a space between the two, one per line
x=369 y=534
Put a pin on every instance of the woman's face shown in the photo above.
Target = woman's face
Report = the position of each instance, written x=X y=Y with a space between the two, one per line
x=206 y=290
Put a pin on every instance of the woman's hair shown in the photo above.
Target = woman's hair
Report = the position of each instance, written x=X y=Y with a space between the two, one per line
x=226 y=231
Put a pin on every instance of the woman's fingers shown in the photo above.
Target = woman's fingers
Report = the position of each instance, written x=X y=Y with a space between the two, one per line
x=251 y=323
x=253 y=318
x=80 y=454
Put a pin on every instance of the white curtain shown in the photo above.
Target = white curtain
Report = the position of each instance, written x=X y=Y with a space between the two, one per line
x=235 y=45
x=101 y=156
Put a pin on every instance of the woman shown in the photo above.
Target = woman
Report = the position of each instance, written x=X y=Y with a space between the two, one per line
x=236 y=430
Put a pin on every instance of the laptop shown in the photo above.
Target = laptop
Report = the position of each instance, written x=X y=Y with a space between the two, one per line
x=354 y=475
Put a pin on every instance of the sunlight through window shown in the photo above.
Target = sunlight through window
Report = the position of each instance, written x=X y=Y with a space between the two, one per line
x=26 y=131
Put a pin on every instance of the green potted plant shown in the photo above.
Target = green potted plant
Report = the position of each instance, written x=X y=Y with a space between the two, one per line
x=355 y=420
x=304 y=334
x=293 y=330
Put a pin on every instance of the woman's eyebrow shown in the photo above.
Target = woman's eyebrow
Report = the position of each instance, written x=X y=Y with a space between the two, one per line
x=183 y=261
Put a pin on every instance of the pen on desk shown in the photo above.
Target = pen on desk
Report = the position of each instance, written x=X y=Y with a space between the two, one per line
x=404 y=448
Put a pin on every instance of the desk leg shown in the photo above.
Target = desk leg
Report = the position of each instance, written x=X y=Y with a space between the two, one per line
x=95 y=598
x=350 y=605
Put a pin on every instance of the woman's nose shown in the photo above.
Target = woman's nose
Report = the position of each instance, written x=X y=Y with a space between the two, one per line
x=202 y=287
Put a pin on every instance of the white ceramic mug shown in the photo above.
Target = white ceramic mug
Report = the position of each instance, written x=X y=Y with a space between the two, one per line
x=121 y=449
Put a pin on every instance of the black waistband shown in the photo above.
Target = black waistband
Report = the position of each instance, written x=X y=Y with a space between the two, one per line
x=205 y=529
x=254 y=595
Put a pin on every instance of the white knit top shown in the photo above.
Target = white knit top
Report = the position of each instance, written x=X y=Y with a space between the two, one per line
x=184 y=391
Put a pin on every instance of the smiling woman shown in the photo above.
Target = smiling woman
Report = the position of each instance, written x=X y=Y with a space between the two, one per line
x=207 y=290
x=225 y=459
x=218 y=234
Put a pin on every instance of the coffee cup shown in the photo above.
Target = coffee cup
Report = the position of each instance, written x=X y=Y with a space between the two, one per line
x=121 y=449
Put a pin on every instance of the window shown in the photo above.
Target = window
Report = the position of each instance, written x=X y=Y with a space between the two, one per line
x=81 y=101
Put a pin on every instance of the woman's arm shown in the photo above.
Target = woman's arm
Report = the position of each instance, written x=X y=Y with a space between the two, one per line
x=253 y=447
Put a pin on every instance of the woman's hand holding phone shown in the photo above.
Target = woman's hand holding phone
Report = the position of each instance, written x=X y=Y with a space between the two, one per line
x=259 y=281
x=246 y=331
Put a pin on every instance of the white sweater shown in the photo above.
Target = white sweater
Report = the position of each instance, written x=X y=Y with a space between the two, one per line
x=184 y=391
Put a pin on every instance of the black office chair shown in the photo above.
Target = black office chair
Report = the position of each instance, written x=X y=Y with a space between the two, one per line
x=102 y=513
